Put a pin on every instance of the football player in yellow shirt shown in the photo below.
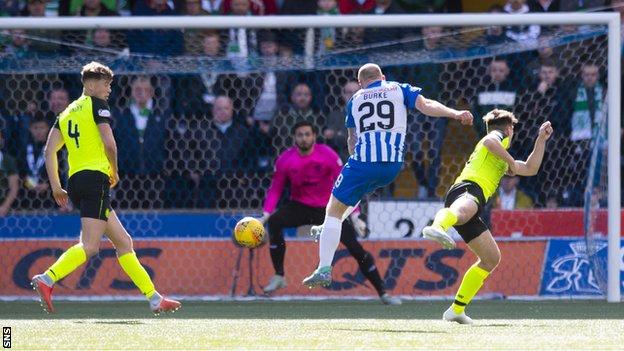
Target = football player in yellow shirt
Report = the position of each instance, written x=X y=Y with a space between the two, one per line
x=464 y=202
x=84 y=128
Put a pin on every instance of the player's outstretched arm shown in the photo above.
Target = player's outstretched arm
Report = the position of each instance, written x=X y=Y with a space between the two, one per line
x=54 y=143
x=534 y=161
x=278 y=183
x=434 y=108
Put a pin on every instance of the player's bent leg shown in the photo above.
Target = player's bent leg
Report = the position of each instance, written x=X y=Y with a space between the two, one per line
x=74 y=257
x=486 y=249
x=130 y=264
x=460 y=211
x=464 y=208
x=328 y=243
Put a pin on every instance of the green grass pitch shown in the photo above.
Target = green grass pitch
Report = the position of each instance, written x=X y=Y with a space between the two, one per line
x=327 y=325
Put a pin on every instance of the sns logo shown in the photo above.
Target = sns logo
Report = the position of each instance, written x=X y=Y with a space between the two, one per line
x=6 y=337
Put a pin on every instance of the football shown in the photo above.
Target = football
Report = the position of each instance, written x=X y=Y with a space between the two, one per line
x=249 y=232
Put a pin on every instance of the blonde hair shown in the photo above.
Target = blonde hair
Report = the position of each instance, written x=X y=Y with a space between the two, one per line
x=96 y=70
x=499 y=118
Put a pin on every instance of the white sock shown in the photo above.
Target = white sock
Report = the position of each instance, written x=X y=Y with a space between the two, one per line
x=330 y=237
x=155 y=300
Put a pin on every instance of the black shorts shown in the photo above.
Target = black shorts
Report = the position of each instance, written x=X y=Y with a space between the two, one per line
x=475 y=226
x=89 y=191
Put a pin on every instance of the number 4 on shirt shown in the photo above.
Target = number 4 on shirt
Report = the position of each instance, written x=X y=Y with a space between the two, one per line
x=73 y=132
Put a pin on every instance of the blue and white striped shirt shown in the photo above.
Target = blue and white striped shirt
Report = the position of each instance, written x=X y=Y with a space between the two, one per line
x=379 y=115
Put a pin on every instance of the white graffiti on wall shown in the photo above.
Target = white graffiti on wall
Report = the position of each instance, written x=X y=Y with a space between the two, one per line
x=574 y=271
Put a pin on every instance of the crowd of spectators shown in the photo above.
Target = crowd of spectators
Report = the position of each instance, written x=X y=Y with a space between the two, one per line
x=208 y=139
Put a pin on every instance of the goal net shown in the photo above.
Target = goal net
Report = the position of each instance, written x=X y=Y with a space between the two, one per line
x=200 y=114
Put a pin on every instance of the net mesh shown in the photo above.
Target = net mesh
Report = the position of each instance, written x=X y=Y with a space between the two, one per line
x=178 y=170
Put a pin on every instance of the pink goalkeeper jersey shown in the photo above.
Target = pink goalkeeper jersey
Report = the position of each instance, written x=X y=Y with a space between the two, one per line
x=311 y=177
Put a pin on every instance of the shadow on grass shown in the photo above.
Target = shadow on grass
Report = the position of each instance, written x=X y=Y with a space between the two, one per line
x=111 y=322
x=310 y=310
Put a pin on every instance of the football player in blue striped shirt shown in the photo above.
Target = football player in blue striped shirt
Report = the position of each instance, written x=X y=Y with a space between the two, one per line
x=376 y=119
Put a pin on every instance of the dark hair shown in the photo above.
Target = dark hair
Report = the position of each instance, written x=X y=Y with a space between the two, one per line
x=304 y=123
x=499 y=59
x=549 y=62
x=38 y=118
x=267 y=36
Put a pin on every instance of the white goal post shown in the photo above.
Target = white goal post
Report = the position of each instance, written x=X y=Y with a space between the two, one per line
x=453 y=20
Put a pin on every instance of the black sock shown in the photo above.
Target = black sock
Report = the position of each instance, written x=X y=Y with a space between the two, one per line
x=368 y=268
x=278 y=251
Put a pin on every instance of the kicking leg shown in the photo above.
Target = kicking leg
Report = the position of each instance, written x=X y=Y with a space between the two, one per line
x=74 y=257
x=486 y=249
x=130 y=264
x=328 y=243
x=460 y=212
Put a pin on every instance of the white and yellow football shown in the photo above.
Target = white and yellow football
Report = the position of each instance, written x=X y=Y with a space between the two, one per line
x=249 y=232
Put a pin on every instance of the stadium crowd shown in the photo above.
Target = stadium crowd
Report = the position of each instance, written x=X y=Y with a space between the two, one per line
x=208 y=138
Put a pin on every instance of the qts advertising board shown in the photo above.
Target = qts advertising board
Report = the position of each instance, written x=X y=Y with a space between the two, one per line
x=218 y=268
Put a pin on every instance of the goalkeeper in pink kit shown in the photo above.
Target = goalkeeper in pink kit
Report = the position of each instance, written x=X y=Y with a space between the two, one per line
x=311 y=170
